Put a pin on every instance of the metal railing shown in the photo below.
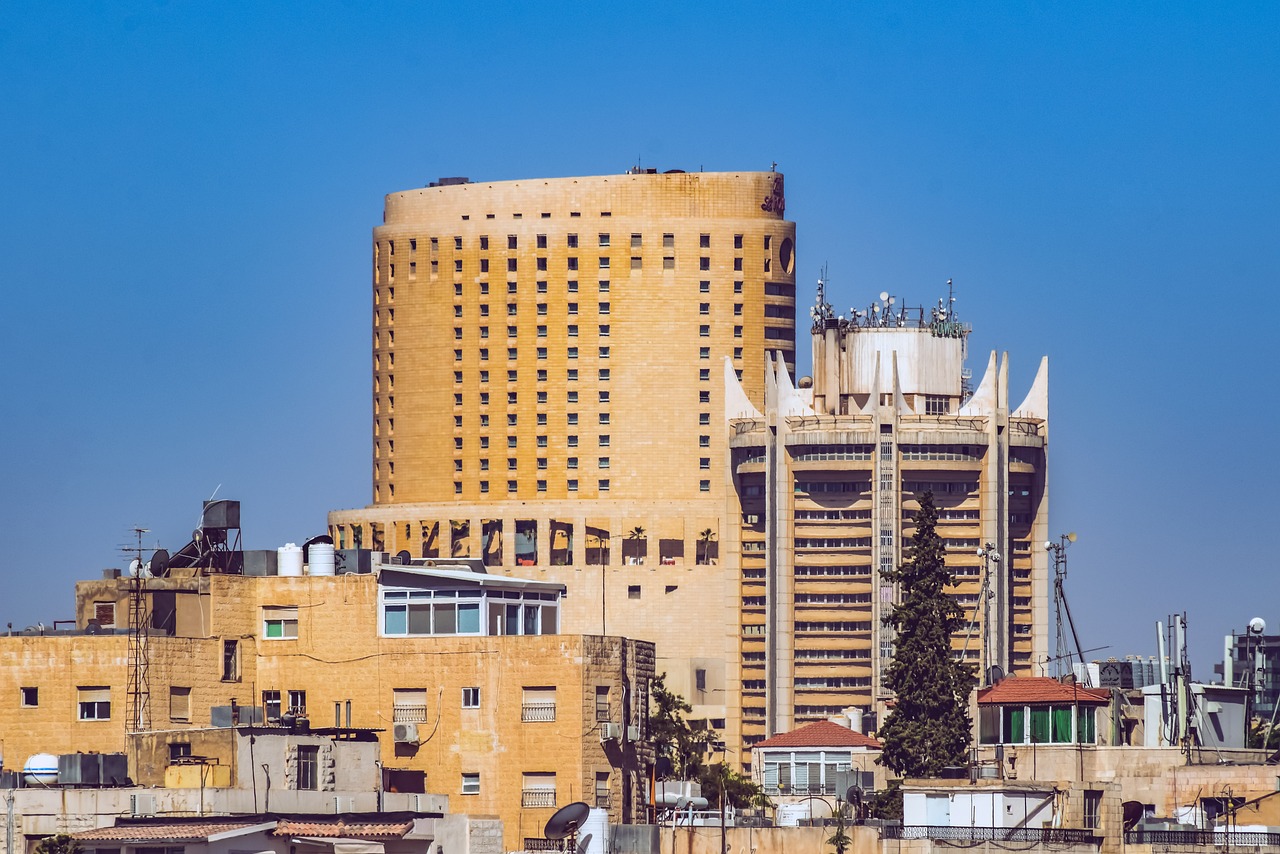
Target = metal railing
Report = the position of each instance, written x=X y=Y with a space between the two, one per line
x=1202 y=838
x=538 y=712
x=531 y=844
x=409 y=714
x=538 y=798
x=1056 y=835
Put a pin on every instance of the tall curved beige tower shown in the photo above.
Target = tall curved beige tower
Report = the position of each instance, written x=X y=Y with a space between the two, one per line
x=549 y=364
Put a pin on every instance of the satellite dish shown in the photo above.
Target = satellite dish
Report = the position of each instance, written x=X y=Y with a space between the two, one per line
x=1133 y=812
x=404 y=557
x=853 y=797
x=583 y=841
x=884 y=295
x=1257 y=625
x=994 y=674
x=159 y=563
x=135 y=567
x=566 y=820
x=682 y=802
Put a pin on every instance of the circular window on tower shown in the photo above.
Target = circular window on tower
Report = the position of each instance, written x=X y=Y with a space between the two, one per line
x=787 y=255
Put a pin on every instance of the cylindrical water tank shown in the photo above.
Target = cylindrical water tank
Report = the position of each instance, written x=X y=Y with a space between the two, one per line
x=289 y=560
x=321 y=555
x=596 y=831
x=41 y=769
x=855 y=719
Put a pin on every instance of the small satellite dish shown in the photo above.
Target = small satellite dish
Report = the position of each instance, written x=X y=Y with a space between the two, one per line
x=681 y=803
x=1133 y=811
x=160 y=563
x=884 y=295
x=135 y=567
x=404 y=557
x=566 y=820
x=1257 y=625
x=994 y=674
x=853 y=797
x=583 y=841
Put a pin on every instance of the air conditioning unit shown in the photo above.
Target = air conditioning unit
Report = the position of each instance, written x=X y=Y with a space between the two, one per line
x=344 y=803
x=404 y=733
x=633 y=733
x=142 y=804
x=610 y=732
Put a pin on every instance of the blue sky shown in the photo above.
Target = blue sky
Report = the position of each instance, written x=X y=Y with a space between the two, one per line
x=188 y=189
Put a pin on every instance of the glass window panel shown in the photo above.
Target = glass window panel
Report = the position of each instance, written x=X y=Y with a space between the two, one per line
x=1062 y=725
x=468 y=619
x=1040 y=725
x=513 y=620
x=420 y=619
x=531 y=619
x=549 y=618
x=1087 y=725
x=393 y=622
x=1014 y=725
x=446 y=619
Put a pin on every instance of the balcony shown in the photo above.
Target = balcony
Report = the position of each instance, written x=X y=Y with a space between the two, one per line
x=1034 y=835
x=532 y=798
x=409 y=714
x=1202 y=838
x=538 y=712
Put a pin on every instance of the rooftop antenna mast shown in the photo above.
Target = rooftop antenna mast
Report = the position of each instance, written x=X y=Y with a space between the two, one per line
x=1065 y=650
x=139 y=707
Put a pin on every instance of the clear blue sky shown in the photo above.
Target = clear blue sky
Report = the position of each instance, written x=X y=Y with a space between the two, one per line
x=187 y=193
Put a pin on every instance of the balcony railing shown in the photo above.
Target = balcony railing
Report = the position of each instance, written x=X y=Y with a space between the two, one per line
x=538 y=798
x=1201 y=838
x=538 y=712
x=409 y=714
x=531 y=844
x=1051 y=835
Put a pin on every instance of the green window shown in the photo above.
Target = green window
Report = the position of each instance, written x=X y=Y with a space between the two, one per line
x=1087 y=726
x=1040 y=724
x=1062 y=725
x=1014 y=724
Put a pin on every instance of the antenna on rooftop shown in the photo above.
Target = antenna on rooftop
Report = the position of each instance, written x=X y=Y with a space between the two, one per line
x=139 y=701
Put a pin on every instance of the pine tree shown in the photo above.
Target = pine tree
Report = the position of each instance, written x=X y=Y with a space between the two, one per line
x=929 y=727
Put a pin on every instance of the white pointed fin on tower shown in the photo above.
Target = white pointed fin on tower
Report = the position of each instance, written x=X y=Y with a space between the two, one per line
x=790 y=401
x=1036 y=403
x=899 y=401
x=873 y=399
x=736 y=402
x=983 y=401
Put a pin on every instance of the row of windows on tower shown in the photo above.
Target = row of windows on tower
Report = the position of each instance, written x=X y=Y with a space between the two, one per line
x=604 y=240
x=604 y=286
x=704 y=374
x=513 y=310
x=571 y=485
x=603 y=262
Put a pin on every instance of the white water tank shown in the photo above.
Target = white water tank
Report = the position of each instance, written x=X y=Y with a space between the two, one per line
x=289 y=560
x=41 y=769
x=321 y=557
x=597 y=826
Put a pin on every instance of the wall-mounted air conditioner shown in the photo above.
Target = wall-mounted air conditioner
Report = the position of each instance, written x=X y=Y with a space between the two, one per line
x=404 y=733
x=143 y=803
x=610 y=732
x=633 y=733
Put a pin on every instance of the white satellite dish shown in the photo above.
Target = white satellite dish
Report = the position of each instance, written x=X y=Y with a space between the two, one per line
x=884 y=295
x=1257 y=625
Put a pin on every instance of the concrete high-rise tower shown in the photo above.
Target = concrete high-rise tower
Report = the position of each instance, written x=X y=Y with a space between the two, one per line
x=548 y=391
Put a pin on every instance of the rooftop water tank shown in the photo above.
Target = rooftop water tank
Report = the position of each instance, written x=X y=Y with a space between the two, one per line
x=322 y=559
x=289 y=560
x=41 y=769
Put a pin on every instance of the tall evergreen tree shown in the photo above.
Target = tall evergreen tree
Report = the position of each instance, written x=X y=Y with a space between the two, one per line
x=929 y=727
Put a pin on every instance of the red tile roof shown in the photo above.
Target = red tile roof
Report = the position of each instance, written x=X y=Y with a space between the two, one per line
x=340 y=829
x=821 y=734
x=167 y=831
x=1028 y=690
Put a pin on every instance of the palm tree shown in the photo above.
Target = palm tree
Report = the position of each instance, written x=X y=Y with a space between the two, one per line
x=704 y=541
x=636 y=535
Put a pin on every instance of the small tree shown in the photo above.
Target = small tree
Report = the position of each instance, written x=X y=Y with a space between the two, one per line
x=705 y=538
x=58 y=844
x=929 y=727
x=679 y=750
x=839 y=840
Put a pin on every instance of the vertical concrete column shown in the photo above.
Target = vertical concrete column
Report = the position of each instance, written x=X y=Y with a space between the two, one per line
x=508 y=543
x=579 y=558
x=544 y=542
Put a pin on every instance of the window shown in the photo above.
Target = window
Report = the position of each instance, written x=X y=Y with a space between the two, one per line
x=737 y=242
x=603 y=462
x=571 y=462
x=512 y=241
x=604 y=396
x=604 y=308
x=307 y=771
x=409 y=705
x=704 y=352
x=704 y=331
x=271 y=705
x=471 y=783
x=542 y=240
x=572 y=485
x=668 y=262
x=572 y=353
x=298 y=702
x=94 y=703
x=572 y=241
x=573 y=330
x=603 y=485
x=471 y=696
x=704 y=241
x=704 y=308
x=538 y=790
x=604 y=330
x=737 y=264
x=604 y=262
x=604 y=352
x=633 y=591
x=604 y=418
x=1092 y=809
x=30 y=698
x=704 y=418
x=179 y=704
x=636 y=263
x=542 y=375
x=604 y=375
x=178 y=750
x=542 y=486
x=604 y=241
x=604 y=287
x=704 y=397
x=636 y=241
x=104 y=613
x=571 y=441
x=704 y=374
x=572 y=397
x=231 y=657
x=484 y=243
x=538 y=704
x=704 y=486
x=604 y=440
x=602 y=702
x=704 y=463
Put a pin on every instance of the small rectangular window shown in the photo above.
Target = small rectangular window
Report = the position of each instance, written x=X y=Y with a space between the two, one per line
x=30 y=698
x=471 y=783
x=280 y=623
x=94 y=703
x=471 y=697
x=604 y=240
